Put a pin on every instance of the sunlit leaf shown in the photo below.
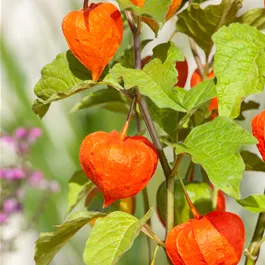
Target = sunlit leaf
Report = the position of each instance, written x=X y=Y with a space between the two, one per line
x=79 y=185
x=48 y=244
x=216 y=145
x=239 y=66
x=154 y=8
x=62 y=78
x=254 y=203
x=111 y=237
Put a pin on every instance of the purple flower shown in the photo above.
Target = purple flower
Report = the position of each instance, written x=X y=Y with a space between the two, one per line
x=36 y=178
x=11 y=205
x=8 y=139
x=14 y=173
x=21 y=133
x=3 y=217
x=34 y=134
x=2 y=173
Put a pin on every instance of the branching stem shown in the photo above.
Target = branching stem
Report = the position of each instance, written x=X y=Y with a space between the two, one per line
x=252 y=253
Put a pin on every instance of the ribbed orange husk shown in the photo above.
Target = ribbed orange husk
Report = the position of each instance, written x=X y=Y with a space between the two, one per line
x=258 y=130
x=94 y=35
x=173 y=8
x=138 y=2
x=120 y=168
x=216 y=238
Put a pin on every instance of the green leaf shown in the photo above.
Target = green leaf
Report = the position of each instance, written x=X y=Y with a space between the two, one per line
x=216 y=145
x=250 y=105
x=127 y=57
x=157 y=78
x=198 y=95
x=252 y=161
x=103 y=98
x=154 y=8
x=79 y=185
x=111 y=237
x=239 y=66
x=167 y=119
x=254 y=17
x=201 y=24
x=254 y=203
x=48 y=244
x=60 y=79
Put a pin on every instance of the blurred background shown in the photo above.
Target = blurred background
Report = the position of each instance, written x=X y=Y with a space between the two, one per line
x=31 y=37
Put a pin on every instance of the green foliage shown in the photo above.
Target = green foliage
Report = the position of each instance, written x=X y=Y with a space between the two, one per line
x=215 y=145
x=157 y=78
x=237 y=77
x=254 y=17
x=154 y=8
x=254 y=203
x=62 y=78
x=200 y=195
x=107 y=98
x=127 y=57
x=79 y=185
x=166 y=118
x=48 y=244
x=201 y=24
x=252 y=161
x=111 y=237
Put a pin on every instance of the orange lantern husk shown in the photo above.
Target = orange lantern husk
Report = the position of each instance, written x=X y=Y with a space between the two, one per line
x=216 y=238
x=94 y=34
x=258 y=130
x=173 y=8
x=119 y=165
x=139 y=3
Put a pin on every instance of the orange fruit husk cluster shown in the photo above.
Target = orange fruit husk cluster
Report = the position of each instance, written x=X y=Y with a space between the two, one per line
x=94 y=35
x=258 y=130
x=216 y=238
x=120 y=166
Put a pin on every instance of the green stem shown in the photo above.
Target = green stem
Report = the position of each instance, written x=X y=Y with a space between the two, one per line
x=141 y=100
x=252 y=253
x=136 y=32
x=192 y=207
x=170 y=194
x=197 y=58
x=215 y=196
x=128 y=119
x=185 y=119
x=149 y=232
x=146 y=209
